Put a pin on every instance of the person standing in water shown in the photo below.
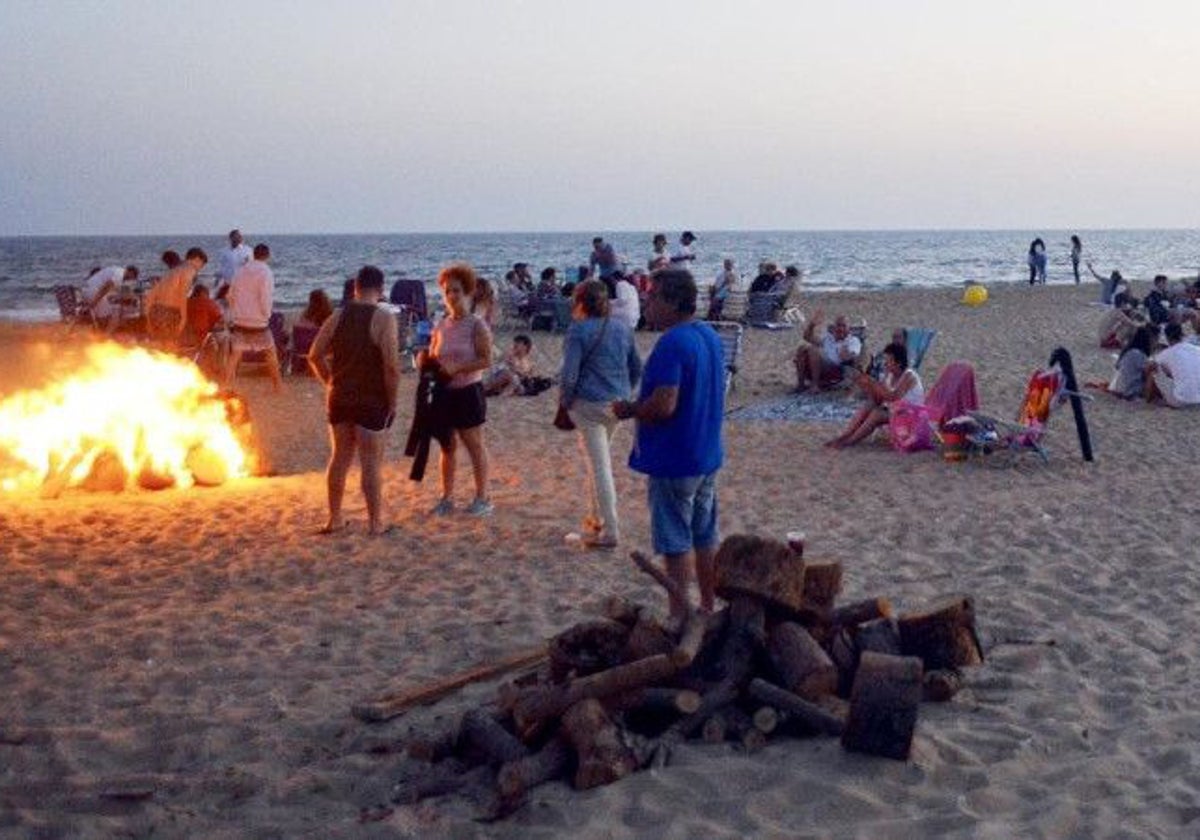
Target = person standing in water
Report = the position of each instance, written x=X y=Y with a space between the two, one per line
x=1076 y=256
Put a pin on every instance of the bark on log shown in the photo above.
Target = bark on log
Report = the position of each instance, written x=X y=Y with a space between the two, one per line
x=878 y=636
x=690 y=639
x=797 y=708
x=803 y=667
x=862 y=611
x=883 y=705
x=482 y=734
x=761 y=568
x=552 y=761
x=647 y=565
x=680 y=701
x=535 y=705
x=603 y=756
x=647 y=638
x=586 y=648
x=943 y=635
x=392 y=705
x=434 y=747
x=621 y=609
x=941 y=685
x=822 y=584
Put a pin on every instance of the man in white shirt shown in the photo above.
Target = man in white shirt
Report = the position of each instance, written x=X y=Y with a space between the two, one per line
x=230 y=259
x=97 y=292
x=1175 y=371
x=683 y=255
x=626 y=307
x=821 y=360
x=250 y=299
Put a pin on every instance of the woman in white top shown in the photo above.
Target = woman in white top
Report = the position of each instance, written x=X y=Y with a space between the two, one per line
x=900 y=383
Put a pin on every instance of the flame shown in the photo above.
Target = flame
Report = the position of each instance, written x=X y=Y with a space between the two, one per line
x=155 y=414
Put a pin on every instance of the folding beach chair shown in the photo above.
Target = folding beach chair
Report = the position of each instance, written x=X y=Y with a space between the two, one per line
x=72 y=307
x=302 y=339
x=730 y=333
x=279 y=335
x=916 y=342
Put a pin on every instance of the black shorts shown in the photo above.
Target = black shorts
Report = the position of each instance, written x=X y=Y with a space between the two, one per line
x=462 y=408
x=370 y=417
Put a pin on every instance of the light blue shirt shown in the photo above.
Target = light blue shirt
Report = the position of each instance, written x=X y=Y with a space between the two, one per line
x=612 y=369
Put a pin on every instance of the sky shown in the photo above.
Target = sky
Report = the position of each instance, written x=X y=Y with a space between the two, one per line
x=129 y=117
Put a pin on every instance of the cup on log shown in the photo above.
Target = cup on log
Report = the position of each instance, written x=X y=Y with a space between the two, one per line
x=883 y=705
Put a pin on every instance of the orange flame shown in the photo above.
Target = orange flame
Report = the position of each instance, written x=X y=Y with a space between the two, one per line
x=155 y=414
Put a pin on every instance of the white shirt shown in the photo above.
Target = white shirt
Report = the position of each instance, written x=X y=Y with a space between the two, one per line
x=115 y=274
x=1183 y=362
x=229 y=260
x=626 y=307
x=681 y=256
x=251 y=292
x=831 y=349
x=915 y=394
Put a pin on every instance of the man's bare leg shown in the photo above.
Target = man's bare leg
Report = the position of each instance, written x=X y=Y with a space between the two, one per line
x=342 y=437
x=370 y=460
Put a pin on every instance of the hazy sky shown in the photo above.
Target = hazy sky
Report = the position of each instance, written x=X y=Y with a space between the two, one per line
x=292 y=116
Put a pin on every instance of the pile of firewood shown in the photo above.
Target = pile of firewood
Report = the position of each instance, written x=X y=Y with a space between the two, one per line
x=617 y=693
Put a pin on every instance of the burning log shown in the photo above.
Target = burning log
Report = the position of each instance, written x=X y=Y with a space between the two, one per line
x=603 y=756
x=883 y=705
x=943 y=635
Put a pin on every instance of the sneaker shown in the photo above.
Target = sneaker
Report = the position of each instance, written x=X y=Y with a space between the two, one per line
x=443 y=508
x=599 y=540
x=480 y=507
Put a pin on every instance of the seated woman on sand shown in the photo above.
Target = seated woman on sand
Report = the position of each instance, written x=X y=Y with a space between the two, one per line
x=899 y=383
x=318 y=309
x=1129 y=381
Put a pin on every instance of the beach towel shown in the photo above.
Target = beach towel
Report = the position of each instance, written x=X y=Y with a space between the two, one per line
x=953 y=395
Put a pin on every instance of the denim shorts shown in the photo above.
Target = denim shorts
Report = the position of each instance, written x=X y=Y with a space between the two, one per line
x=683 y=513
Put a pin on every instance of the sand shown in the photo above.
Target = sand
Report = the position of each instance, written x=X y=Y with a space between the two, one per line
x=183 y=663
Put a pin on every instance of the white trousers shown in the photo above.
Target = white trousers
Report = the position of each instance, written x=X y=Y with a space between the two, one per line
x=596 y=424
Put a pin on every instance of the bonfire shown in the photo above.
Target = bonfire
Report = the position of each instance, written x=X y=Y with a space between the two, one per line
x=126 y=417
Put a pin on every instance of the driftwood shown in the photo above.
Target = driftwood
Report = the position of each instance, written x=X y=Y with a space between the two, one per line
x=803 y=667
x=392 y=705
x=603 y=756
x=943 y=635
x=797 y=708
x=883 y=705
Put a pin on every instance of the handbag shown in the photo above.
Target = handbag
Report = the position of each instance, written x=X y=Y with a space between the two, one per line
x=562 y=417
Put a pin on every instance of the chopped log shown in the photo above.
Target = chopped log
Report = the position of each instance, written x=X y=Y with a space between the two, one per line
x=748 y=615
x=552 y=761
x=822 y=584
x=941 y=685
x=586 y=648
x=603 y=756
x=482 y=734
x=647 y=638
x=878 y=636
x=392 y=705
x=761 y=568
x=690 y=639
x=621 y=609
x=753 y=740
x=437 y=746
x=943 y=635
x=844 y=652
x=862 y=611
x=534 y=705
x=883 y=705
x=681 y=701
x=663 y=579
x=765 y=719
x=804 y=668
x=797 y=708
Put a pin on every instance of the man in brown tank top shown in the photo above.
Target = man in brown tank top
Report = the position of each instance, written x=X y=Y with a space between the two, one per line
x=356 y=355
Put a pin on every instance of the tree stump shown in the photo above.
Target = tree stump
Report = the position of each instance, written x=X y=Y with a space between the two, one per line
x=602 y=754
x=803 y=667
x=761 y=568
x=943 y=635
x=883 y=705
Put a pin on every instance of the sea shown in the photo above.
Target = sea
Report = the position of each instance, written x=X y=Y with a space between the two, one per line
x=831 y=260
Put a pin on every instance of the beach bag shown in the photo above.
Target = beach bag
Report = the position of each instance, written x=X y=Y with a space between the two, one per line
x=909 y=427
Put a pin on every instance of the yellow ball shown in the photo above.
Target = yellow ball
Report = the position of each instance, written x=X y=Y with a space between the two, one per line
x=975 y=295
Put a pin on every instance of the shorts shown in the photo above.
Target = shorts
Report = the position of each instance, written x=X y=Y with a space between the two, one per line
x=368 y=417
x=683 y=513
x=244 y=339
x=462 y=408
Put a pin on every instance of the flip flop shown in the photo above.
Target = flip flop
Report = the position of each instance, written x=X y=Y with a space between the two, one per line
x=327 y=530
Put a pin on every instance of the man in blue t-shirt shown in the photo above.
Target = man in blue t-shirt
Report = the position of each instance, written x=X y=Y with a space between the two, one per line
x=678 y=445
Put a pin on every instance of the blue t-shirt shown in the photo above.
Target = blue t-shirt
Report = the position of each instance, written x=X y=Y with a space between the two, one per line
x=688 y=356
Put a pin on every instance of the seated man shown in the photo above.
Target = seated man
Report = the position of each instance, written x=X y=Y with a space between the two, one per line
x=1158 y=301
x=1173 y=374
x=822 y=357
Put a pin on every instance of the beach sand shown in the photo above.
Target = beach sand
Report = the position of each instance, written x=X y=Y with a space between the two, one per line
x=183 y=663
